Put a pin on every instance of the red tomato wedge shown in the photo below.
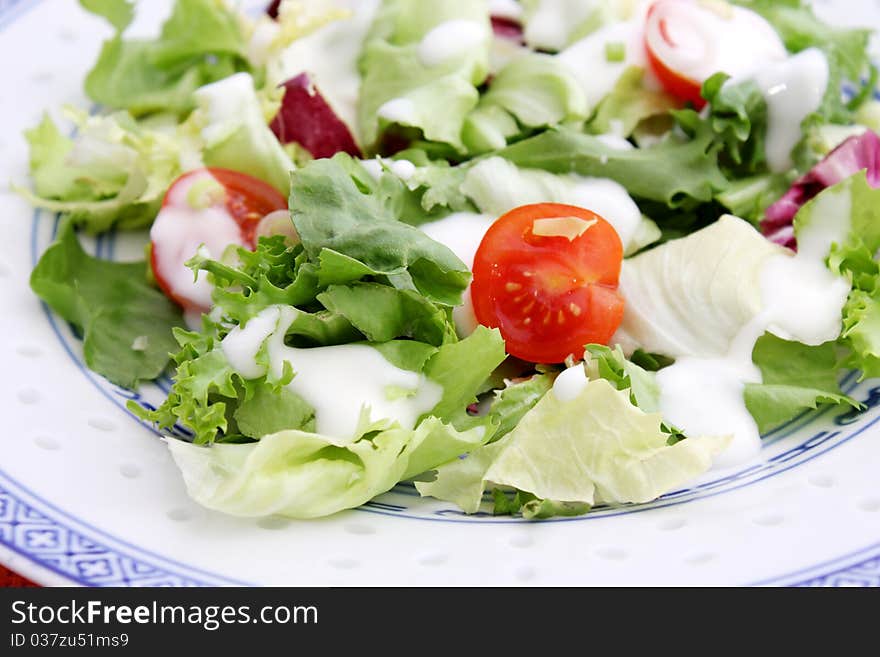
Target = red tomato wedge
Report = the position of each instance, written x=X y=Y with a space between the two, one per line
x=688 y=41
x=209 y=208
x=668 y=56
x=546 y=276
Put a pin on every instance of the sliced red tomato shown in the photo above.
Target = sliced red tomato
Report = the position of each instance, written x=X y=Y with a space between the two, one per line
x=669 y=57
x=212 y=208
x=688 y=41
x=546 y=276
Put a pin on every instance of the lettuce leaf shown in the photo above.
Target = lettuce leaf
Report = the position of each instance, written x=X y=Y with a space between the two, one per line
x=337 y=216
x=846 y=49
x=234 y=134
x=629 y=104
x=126 y=326
x=201 y=42
x=402 y=82
x=112 y=174
x=737 y=115
x=307 y=475
x=853 y=205
x=795 y=377
x=604 y=449
x=675 y=172
x=533 y=90
x=713 y=275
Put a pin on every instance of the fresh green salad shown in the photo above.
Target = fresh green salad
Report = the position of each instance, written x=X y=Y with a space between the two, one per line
x=546 y=254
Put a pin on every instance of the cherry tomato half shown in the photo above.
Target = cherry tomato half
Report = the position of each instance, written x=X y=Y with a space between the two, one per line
x=546 y=276
x=666 y=56
x=212 y=208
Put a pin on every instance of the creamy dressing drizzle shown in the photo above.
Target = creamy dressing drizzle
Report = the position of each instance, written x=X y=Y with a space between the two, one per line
x=587 y=59
x=461 y=233
x=793 y=89
x=349 y=386
x=399 y=110
x=801 y=300
x=179 y=231
x=450 y=40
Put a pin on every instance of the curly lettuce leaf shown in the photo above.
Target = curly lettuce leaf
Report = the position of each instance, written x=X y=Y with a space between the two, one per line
x=737 y=116
x=852 y=208
x=306 y=475
x=112 y=174
x=334 y=213
x=126 y=325
x=595 y=448
x=201 y=42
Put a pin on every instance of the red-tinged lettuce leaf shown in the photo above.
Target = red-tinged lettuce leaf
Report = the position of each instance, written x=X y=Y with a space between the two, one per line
x=508 y=28
x=306 y=118
x=854 y=155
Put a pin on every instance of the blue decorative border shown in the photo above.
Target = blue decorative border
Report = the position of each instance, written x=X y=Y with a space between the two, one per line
x=30 y=526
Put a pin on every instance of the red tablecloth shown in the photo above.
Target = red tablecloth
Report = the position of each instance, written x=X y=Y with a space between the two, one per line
x=9 y=578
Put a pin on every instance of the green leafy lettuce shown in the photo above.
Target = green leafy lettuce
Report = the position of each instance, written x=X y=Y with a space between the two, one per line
x=396 y=69
x=348 y=227
x=112 y=174
x=201 y=42
x=532 y=91
x=856 y=205
x=630 y=104
x=233 y=132
x=307 y=475
x=846 y=49
x=126 y=326
x=675 y=172
x=795 y=378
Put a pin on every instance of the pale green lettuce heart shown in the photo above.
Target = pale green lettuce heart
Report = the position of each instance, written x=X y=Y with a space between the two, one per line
x=306 y=475
x=597 y=447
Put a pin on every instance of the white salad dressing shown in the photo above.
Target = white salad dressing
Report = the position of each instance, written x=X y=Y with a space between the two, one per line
x=709 y=39
x=570 y=383
x=336 y=76
x=510 y=187
x=506 y=9
x=344 y=384
x=461 y=233
x=403 y=169
x=181 y=230
x=450 y=40
x=551 y=22
x=793 y=89
x=801 y=300
x=587 y=59
x=399 y=110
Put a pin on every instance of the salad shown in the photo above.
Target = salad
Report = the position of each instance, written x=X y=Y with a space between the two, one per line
x=545 y=255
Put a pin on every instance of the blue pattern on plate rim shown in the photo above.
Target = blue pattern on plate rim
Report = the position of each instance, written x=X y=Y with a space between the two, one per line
x=34 y=528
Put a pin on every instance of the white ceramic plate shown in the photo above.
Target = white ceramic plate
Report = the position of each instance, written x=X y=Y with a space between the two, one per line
x=89 y=495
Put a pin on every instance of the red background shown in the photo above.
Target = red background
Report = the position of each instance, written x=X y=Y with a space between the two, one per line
x=9 y=578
